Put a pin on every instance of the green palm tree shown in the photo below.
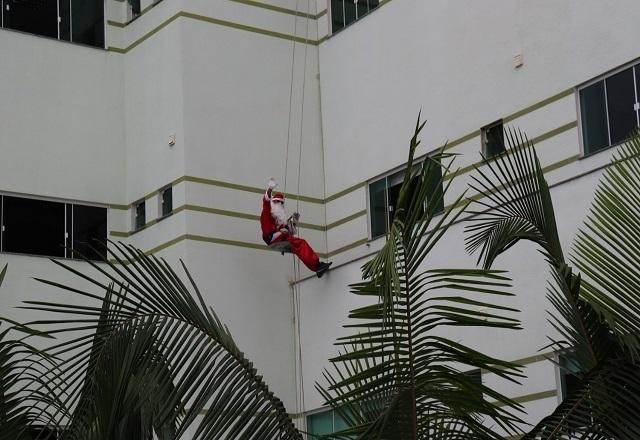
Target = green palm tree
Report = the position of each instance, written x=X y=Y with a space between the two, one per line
x=149 y=357
x=397 y=377
x=597 y=311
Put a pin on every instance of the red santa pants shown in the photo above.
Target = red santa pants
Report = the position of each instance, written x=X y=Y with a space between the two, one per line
x=302 y=250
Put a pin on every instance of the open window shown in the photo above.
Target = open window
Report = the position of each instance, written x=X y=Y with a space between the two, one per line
x=165 y=199
x=139 y=215
x=493 y=139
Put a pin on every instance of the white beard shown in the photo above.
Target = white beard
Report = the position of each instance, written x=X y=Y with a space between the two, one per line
x=278 y=214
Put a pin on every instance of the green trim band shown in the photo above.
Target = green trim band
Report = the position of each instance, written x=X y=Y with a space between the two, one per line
x=242 y=215
x=344 y=192
x=347 y=247
x=211 y=20
x=531 y=397
x=244 y=2
x=346 y=219
x=116 y=24
x=536 y=140
x=280 y=9
x=538 y=105
x=119 y=207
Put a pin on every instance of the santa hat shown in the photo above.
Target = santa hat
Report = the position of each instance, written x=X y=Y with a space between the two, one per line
x=278 y=197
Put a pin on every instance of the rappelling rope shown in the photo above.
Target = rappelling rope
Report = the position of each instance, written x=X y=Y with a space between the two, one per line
x=300 y=406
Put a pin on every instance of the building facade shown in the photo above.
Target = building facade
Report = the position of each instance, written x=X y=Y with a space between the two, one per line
x=159 y=123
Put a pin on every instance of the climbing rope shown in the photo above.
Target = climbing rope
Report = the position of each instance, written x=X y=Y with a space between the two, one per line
x=299 y=377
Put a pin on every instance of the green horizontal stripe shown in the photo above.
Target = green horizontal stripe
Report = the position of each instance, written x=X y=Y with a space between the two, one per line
x=346 y=219
x=116 y=24
x=347 y=247
x=538 y=105
x=119 y=207
x=242 y=215
x=280 y=9
x=344 y=192
x=211 y=20
x=465 y=138
x=531 y=397
x=536 y=140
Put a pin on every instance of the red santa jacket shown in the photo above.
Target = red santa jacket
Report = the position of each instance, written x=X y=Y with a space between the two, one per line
x=267 y=222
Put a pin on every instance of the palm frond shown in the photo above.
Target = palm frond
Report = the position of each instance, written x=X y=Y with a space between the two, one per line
x=604 y=406
x=607 y=248
x=175 y=360
x=395 y=376
x=517 y=207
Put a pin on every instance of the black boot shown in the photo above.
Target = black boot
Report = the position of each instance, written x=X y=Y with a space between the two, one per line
x=322 y=268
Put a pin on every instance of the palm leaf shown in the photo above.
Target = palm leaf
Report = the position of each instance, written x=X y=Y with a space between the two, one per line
x=175 y=361
x=395 y=377
x=607 y=248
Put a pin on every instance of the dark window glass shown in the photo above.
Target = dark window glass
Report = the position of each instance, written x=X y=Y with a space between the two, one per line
x=493 y=139
x=435 y=199
x=337 y=15
x=34 y=16
x=321 y=423
x=377 y=207
x=593 y=116
x=620 y=100
x=384 y=194
x=65 y=20
x=393 y=193
x=33 y=227
x=570 y=371
x=135 y=7
x=475 y=379
x=166 y=201
x=68 y=241
x=88 y=22
x=89 y=231
x=42 y=433
x=349 y=12
x=139 y=216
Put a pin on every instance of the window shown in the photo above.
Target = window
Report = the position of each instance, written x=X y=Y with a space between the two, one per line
x=54 y=229
x=89 y=226
x=493 y=139
x=345 y=12
x=80 y=22
x=166 y=201
x=609 y=109
x=134 y=7
x=43 y=433
x=139 y=215
x=56 y=19
x=475 y=377
x=326 y=422
x=570 y=371
x=383 y=198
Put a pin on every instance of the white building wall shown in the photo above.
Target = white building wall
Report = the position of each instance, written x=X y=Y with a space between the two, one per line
x=453 y=62
x=84 y=124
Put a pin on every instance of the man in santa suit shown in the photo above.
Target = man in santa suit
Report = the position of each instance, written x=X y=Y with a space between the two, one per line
x=276 y=228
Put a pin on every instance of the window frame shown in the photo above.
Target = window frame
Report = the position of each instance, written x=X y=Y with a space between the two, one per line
x=58 y=24
x=395 y=172
x=161 y=191
x=635 y=66
x=134 y=217
x=346 y=25
x=68 y=223
x=483 y=139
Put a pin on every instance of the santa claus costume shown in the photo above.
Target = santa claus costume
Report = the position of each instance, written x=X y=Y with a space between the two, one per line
x=276 y=228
